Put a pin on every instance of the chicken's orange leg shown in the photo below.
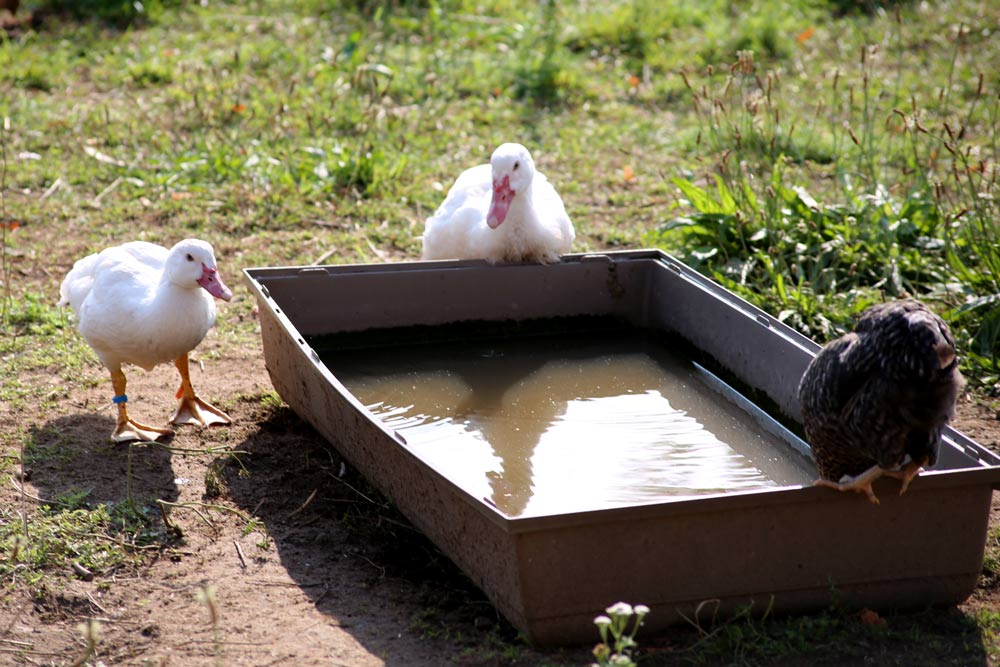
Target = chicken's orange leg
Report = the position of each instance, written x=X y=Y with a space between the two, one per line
x=860 y=483
x=127 y=429
x=193 y=410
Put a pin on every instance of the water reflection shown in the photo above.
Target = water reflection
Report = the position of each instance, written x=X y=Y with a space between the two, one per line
x=545 y=426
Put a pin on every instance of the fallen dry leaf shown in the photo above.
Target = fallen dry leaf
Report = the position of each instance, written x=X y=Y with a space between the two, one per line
x=804 y=35
x=871 y=617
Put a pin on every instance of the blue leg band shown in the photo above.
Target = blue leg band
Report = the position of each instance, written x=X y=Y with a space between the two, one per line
x=120 y=399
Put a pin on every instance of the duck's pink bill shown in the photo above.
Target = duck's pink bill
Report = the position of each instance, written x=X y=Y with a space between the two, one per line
x=499 y=203
x=213 y=284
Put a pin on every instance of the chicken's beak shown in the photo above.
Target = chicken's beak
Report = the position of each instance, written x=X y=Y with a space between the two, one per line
x=945 y=354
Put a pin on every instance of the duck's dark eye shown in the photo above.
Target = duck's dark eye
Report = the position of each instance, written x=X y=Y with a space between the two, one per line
x=190 y=257
x=516 y=165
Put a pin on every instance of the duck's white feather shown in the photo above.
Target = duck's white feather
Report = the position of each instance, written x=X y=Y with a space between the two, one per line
x=132 y=309
x=537 y=227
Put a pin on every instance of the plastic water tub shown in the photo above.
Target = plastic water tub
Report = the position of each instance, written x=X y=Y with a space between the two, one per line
x=786 y=549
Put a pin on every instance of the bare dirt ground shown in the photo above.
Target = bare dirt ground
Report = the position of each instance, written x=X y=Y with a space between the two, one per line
x=333 y=578
x=325 y=576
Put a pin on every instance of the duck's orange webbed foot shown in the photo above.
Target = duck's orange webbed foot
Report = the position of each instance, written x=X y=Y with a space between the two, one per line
x=126 y=428
x=132 y=431
x=193 y=410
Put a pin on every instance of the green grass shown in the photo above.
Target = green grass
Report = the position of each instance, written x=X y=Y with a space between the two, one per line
x=813 y=156
x=285 y=133
x=100 y=539
x=814 y=213
x=837 y=636
x=37 y=371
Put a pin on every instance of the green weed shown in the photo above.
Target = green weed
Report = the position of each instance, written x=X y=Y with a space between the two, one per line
x=542 y=76
x=148 y=75
x=617 y=631
x=804 y=260
x=98 y=539
x=49 y=444
x=815 y=259
x=991 y=557
x=272 y=400
x=119 y=13
x=35 y=314
x=750 y=639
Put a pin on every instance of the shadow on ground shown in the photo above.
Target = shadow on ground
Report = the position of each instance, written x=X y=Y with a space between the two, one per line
x=74 y=468
x=355 y=556
x=73 y=455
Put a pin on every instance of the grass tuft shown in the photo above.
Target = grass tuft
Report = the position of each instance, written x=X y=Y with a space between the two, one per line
x=907 y=209
x=98 y=539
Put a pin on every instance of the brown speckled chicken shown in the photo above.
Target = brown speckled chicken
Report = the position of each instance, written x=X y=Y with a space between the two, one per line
x=878 y=395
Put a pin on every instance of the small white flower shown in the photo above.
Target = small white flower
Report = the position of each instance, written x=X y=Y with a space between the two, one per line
x=641 y=609
x=602 y=620
x=620 y=609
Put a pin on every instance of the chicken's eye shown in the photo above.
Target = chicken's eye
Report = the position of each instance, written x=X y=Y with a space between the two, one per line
x=190 y=257
x=516 y=165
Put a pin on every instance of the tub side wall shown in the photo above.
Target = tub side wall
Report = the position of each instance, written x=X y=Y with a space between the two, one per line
x=806 y=554
x=737 y=335
x=321 y=301
x=436 y=507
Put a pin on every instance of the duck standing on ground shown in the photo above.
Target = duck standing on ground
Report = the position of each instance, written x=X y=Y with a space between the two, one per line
x=142 y=304
x=504 y=211
x=874 y=401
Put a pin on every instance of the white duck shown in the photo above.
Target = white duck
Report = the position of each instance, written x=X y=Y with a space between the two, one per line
x=141 y=304
x=504 y=211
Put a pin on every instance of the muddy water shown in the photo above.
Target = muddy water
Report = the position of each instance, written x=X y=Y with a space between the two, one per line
x=549 y=425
